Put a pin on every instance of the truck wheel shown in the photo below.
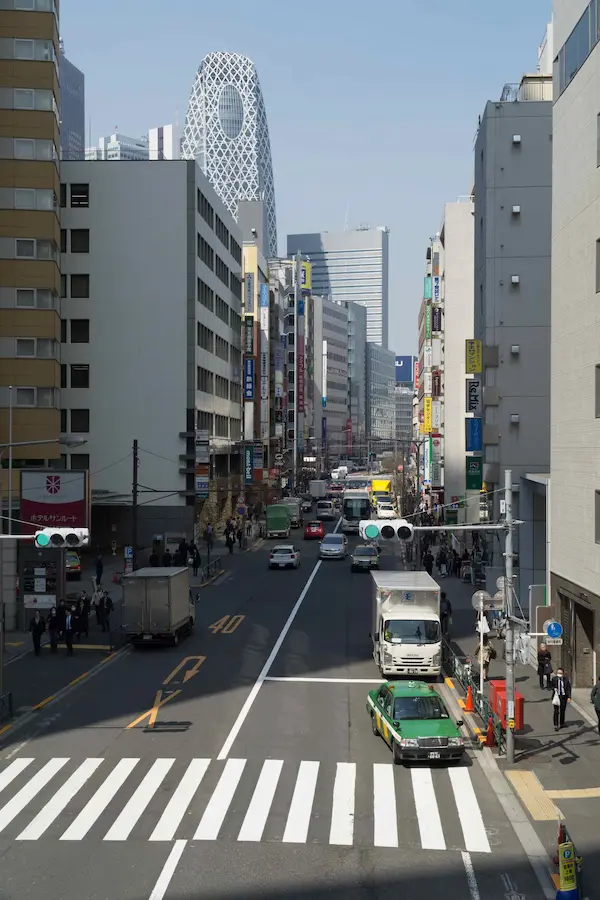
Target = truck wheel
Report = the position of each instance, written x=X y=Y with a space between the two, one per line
x=374 y=728
x=176 y=639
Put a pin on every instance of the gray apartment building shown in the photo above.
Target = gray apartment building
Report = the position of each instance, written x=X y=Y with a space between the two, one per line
x=513 y=177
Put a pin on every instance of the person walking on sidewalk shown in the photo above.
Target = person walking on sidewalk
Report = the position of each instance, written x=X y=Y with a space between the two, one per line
x=595 y=699
x=99 y=569
x=484 y=655
x=428 y=562
x=445 y=613
x=53 y=629
x=561 y=687
x=69 y=629
x=196 y=560
x=544 y=668
x=37 y=628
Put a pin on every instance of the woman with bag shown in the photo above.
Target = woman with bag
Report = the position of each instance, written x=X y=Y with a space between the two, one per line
x=484 y=655
x=544 y=668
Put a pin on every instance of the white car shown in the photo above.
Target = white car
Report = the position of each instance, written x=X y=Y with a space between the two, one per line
x=284 y=556
x=333 y=546
x=385 y=510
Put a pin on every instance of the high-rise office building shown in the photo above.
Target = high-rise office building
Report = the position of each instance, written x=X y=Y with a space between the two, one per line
x=380 y=392
x=351 y=265
x=164 y=142
x=227 y=133
x=72 y=109
x=119 y=147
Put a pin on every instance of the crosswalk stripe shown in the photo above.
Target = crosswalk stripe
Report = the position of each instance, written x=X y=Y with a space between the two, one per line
x=219 y=803
x=471 y=821
x=127 y=820
x=11 y=772
x=342 y=813
x=178 y=804
x=384 y=806
x=31 y=789
x=92 y=811
x=59 y=801
x=262 y=798
x=298 y=820
x=428 y=814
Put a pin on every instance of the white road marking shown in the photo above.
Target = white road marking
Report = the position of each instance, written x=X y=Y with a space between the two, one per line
x=473 y=829
x=384 y=806
x=164 y=879
x=342 y=813
x=178 y=804
x=325 y=680
x=298 y=820
x=428 y=814
x=128 y=818
x=31 y=789
x=94 y=808
x=219 y=803
x=11 y=772
x=262 y=798
x=243 y=713
x=60 y=800
x=470 y=873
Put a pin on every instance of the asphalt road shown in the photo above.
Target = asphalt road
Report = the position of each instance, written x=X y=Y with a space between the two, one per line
x=251 y=783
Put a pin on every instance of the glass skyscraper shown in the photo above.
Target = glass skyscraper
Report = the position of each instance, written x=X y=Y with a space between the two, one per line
x=72 y=110
x=226 y=132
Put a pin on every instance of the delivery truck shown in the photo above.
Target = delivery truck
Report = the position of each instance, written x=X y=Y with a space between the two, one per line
x=294 y=505
x=406 y=625
x=158 y=606
x=278 y=521
x=317 y=489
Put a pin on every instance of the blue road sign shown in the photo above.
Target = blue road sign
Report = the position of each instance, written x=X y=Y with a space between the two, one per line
x=554 y=630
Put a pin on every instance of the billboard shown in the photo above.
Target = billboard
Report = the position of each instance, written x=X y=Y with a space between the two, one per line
x=249 y=336
x=404 y=370
x=306 y=276
x=474 y=396
x=436 y=319
x=473 y=435
x=428 y=322
x=427 y=414
x=436 y=293
x=249 y=293
x=53 y=499
x=300 y=376
x=248 y=464
x=474 y=473
x=416 y=375
x=248 y=379
x=427 y=288
x=473 y=357
x=436 y=415
x=264 y=360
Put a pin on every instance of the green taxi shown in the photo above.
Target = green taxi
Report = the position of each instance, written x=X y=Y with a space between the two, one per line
x=412 y=718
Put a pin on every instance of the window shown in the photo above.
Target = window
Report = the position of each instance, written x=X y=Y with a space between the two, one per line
x=80 y=376
x=25 y=298
x=80 y=196
x=63 y=376
x=221 y=309
x=80 y=421
x=221 y=348
x=63 y=286
x=35 y=298
x=40 y=50
x=235 y=392
x=25 y=347
x=206 y=295
x=25 y=396
x=222 y=271
x=205 y=337
x=221 y=387
x=24 y=98
x=63 y=421
x=205 y=421
x=63 y=331
x=46 y=348
x=205 y=209
x=221 y=426
x=30 y=198
x=204 y=380
x=28 y=98
x=43 y=348
x=205 y=252
x=47 y=397
x=80 y=461
x=25 y=249
x=235 y=429
x=35 y=148
x=28 y=248
x=236 y=251
x=80 y=240
x=80 y=331
x=222 y=232
x=80 y=286
x=63 y=240
x=235 y=286
x=63 y=196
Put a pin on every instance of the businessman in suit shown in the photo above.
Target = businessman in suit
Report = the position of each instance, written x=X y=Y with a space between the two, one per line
x=561 y=687
x=69 y=629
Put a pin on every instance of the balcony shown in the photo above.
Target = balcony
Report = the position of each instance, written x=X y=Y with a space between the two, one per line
x=531 y=88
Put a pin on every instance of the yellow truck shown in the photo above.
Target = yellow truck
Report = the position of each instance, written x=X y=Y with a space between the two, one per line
x=381 y=489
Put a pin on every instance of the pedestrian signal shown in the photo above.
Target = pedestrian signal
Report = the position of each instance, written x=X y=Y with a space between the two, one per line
x=387 y=530
x=59 y=538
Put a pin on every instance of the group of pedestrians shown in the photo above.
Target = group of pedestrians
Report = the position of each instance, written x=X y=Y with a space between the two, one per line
x=70 y=622
x=234 y=531
x=187 y=554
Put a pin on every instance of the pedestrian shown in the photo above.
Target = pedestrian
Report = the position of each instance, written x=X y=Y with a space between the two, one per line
x=230 y=541
x=99 y=569
x=561 y=695
x=153 y=559
x=240 y=535
x=428 y=562
x=445 y=613
x=53 y=628
x=108 y=609
x=167 y=559
x=37 y=627
x=484 y=655
x=98 y=602
x=442 y=562
x=196 y=561
x=595 y=699
x=61 y=614
x=69 y=629
x=178 y=559
x=544 y=668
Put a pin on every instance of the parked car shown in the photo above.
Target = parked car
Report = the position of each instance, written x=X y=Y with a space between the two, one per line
x=284 y=556
x=334 y=546
x=314 y=531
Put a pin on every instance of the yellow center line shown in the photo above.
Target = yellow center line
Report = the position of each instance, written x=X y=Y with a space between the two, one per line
x=44 y=702
x=78 y=679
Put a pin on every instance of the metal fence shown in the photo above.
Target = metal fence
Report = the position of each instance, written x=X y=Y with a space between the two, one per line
x=210 y=569
x=460 y=668
x=6 y=706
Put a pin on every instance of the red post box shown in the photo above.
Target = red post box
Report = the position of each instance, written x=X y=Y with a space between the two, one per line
x=519 y=710
x=497 y=687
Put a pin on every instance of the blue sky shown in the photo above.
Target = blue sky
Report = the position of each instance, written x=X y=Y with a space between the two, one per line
x=372 y=107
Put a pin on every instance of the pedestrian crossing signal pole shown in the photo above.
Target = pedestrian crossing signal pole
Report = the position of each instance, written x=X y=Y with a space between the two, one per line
x=134 y=502
x=510 y=634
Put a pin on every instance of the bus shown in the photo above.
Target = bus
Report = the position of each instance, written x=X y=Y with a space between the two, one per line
x=356 y=506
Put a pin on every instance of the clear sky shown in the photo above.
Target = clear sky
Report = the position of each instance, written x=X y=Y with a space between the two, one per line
x=372 y=106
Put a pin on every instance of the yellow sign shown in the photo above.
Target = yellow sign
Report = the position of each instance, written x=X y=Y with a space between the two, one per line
x=473 y=357
x=306 y=276
x=421 y=428
x=567 y=873
x=427 y=414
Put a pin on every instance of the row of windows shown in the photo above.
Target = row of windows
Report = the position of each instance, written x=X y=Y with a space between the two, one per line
x=576 y=48
x=30 y=5
x=41 y=149
x=28 y=49
x=75 y=331
x=35 y=298
x=35 y=248
x=221 y=270
x=79 y=240
x=79 y=461
x=74 y=421
x=221 y=310
x=37 y=348
x=222 y=232
x=80 y=376
x=79 y=286
x=46 y=397
x=80 y=196
x=28 y=198
x=214 y=222
x=29 y=98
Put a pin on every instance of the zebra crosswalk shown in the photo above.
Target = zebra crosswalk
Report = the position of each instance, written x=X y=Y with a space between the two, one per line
x=343 y=804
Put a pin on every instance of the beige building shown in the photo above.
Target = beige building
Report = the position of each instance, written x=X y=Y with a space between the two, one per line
x=30 y=284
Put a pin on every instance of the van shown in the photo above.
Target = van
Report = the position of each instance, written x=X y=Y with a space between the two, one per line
x=326 y=511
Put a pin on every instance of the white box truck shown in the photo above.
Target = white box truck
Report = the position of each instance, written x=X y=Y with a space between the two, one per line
x=158 y=606
x=406 y=625
x=317 y=489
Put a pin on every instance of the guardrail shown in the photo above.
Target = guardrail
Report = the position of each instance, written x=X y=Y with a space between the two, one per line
x=6 y=706
x=460 y=668
x=210 y=569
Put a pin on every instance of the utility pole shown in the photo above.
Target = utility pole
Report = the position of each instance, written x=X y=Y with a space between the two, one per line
x=297 y=300
x=510 y=634
x=134 y=503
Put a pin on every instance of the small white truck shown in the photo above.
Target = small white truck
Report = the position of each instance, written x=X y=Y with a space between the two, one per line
x=406 y=624
x=158 y=606
x=317 y=489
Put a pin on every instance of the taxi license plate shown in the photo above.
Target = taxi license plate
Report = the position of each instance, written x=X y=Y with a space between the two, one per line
x=434 y=755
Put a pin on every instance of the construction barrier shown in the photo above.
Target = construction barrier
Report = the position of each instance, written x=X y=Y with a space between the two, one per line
x=568 y=880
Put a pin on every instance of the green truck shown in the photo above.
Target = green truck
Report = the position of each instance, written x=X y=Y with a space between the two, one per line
x=279 y=521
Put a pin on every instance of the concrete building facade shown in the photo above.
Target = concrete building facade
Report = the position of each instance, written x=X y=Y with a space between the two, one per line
x=330 y=363
x=151 y=338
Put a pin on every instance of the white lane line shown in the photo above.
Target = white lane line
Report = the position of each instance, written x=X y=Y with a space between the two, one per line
x=31 y=789
x=470 y=873
x=178 y=804
x=128 y=818
x=325 y=680
x=428 y=814
x=262 y=798
x=243 y=713
x=12 y=771
x=219 y=803
x=342 y=813
x=94 y=808
x=384 y=806
x=61 y=799
x=471 y=821
x=164 y=879
x=298 y=820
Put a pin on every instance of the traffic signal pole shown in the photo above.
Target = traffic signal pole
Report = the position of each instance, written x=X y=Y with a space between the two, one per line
x=134 y=502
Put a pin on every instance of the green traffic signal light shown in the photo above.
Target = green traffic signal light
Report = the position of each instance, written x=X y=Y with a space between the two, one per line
x=42 y=539
x=372 y=532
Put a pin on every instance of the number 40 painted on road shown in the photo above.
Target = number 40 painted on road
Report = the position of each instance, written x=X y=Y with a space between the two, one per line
x=226 y=625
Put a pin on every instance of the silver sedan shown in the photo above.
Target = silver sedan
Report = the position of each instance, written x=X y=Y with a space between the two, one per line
x=333 y=546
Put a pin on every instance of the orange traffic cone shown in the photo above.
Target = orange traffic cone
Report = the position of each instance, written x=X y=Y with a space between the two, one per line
x=114 y=578
x=490 y=737
x=469 y=707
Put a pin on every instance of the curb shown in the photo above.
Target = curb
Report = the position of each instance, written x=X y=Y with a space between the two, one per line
x=475 y=732
x=210 y=580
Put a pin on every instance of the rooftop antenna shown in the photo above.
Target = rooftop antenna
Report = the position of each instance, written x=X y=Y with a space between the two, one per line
x=346 y=219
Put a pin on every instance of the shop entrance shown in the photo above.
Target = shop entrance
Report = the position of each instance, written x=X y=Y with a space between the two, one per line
x=583 y=675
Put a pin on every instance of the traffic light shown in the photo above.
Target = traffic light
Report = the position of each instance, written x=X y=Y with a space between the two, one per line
x=59 y=538
x=386 y=529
